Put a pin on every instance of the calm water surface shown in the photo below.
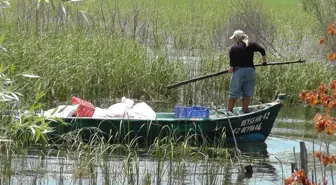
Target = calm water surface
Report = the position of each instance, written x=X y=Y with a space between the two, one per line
x=271 y=163
x=264 y=157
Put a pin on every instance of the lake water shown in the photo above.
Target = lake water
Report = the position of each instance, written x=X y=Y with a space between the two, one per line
x=271 y=162
x=267 y=168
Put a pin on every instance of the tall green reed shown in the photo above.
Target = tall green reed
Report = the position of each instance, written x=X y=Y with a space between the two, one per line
x=108 y=49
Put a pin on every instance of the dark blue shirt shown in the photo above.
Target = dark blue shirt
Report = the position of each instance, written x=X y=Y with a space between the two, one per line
x=242 y=55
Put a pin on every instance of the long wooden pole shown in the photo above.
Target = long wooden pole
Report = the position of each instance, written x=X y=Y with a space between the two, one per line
x=226 y=71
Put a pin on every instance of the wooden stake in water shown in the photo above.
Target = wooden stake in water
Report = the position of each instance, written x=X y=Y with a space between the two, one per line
x=303 y=157
x=294 y=164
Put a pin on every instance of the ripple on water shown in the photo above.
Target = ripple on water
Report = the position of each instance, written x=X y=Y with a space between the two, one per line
x=265 y=158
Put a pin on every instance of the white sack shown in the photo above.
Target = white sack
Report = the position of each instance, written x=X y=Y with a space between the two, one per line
x=120 y=109
x=100 y=113
x=142 y=111
x=61 y=111
x=129 y=103
x=117 y=110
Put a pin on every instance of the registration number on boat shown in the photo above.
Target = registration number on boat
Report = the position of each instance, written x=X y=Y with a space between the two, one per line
x=250 y=128
x=253 y=120
x=251 y=124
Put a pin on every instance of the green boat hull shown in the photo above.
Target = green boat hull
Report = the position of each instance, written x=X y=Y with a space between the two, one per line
x=252 y=127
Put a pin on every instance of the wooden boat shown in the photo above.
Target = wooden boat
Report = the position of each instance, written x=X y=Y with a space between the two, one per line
x=251 y=127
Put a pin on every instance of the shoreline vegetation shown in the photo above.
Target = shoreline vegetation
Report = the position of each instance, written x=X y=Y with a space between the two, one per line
x=103 y=50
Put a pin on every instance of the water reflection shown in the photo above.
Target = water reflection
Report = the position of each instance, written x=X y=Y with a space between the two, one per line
x=270 y=161
x=258 y=156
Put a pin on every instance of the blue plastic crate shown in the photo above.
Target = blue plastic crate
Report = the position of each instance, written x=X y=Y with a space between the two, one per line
x=179 y=111
x=192 y=112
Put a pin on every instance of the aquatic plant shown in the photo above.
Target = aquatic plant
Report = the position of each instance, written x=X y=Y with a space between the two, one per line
x=322 y=101
x=102 y=50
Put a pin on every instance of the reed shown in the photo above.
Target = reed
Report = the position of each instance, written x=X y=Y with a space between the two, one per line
x=100 y=162
x=102 y=50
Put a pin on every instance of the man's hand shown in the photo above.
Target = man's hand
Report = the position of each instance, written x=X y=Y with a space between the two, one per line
x=230 y=70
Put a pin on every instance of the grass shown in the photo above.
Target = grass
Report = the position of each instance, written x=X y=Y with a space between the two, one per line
x=100 y=162
x=117 y=48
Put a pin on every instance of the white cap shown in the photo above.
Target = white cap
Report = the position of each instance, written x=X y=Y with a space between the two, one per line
x=237 y=33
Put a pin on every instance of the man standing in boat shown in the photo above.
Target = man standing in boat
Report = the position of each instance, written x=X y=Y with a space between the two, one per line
x=243 y=78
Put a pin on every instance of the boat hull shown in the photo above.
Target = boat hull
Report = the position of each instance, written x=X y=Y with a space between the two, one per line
x=251 y=127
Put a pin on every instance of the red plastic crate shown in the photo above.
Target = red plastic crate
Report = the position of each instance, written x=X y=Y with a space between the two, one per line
x=85 y=108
